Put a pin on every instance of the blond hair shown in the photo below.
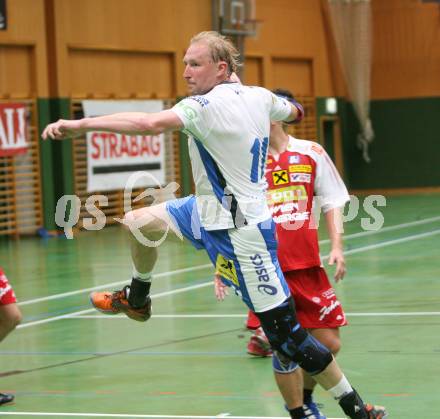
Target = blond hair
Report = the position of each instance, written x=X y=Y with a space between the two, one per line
x=221 y=48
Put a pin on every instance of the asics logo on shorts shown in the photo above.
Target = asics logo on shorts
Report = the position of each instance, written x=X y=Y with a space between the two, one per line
x=263 y=275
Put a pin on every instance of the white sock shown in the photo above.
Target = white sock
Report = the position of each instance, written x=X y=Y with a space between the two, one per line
x=145 y=277
x=341 y=389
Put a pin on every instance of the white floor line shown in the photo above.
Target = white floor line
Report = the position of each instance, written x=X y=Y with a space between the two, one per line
x=167 y=316
x=122 y=415
x=52 y=319
x=209 y=283
x=205 y=266
x=392 y=242
x=387 y=243
x=91 y=310
x=111 y=284
x=385 y=229
x=229 y=316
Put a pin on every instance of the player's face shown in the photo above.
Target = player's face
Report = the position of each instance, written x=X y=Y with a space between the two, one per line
x=201 y=73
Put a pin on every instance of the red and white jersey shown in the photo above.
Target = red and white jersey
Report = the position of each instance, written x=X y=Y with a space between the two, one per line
x=298 y=174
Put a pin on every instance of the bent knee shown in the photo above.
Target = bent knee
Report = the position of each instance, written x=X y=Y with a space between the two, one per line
x=12 y=320
x=334 y=346
x=16 y=318
x=131 y=217
x=151 y=222
x=16 y=321
x=332 y=343
x=140 y=219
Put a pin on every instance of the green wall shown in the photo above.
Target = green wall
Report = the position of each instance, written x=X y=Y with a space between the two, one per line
x=406 y=150
x=56 y=159
x=46 y=163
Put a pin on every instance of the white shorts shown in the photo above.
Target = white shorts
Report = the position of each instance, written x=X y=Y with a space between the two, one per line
x=246 y=258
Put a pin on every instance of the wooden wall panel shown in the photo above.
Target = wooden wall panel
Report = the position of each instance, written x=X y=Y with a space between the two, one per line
x=23 y=47
x=406 y=49
x=121 y=74
x=253 y=71
x=17 y=71
x=134 y=26
x=293 y=74
x=293 y=29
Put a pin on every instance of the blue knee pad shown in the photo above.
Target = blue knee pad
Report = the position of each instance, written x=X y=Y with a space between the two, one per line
x=288 y=338
x=282 y=364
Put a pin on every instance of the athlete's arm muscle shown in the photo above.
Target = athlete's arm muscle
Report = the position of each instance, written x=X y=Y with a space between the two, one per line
x=131 y=123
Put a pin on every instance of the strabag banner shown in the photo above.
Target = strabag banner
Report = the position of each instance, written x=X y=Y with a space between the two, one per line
x=112 y=158
x=13 y=129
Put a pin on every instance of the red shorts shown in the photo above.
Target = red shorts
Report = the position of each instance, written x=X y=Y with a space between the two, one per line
x=317 y=306
x=7 y=295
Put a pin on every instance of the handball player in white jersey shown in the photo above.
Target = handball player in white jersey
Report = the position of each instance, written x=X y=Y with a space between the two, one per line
x=228 y=127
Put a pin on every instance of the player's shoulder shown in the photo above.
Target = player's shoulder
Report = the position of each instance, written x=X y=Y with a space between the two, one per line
x=243 y=88
x=200 y=101
x=192 y=107
x=235 y=94
x=217 y=95
x=302 y=146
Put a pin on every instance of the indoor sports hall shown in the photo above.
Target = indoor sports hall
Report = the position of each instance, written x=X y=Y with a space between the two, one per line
x=367 y=75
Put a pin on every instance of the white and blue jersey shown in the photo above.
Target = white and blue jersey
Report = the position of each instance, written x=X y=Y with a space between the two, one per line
x=228 y=131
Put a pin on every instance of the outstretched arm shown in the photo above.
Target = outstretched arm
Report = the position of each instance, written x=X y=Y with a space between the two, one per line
x=131 y=123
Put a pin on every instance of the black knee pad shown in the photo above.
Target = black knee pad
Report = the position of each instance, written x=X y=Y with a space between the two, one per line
x=311 y=354
x=279 y=322
x=287 y=336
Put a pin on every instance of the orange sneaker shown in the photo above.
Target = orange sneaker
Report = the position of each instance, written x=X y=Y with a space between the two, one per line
x=116 y=302
x=375 y=412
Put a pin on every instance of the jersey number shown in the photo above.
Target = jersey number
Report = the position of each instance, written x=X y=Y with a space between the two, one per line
x=258 y=151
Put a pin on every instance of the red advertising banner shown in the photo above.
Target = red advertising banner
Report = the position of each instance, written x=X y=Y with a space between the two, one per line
x=13 y=129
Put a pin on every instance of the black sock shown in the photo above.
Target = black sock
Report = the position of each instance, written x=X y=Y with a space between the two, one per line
x=353 y=406
x=138 y=293
x=307 y=395
x=297 y=413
